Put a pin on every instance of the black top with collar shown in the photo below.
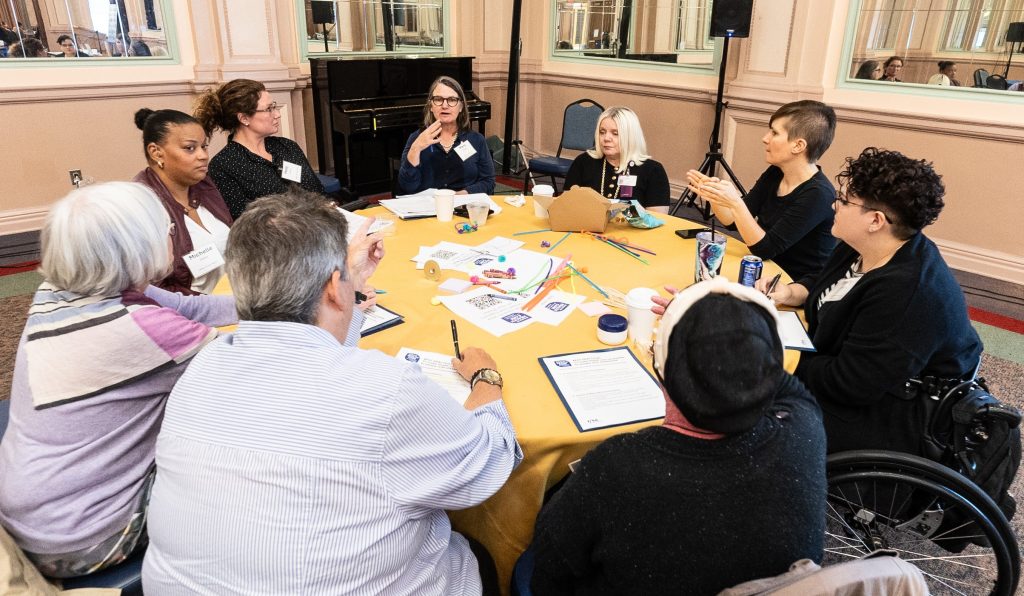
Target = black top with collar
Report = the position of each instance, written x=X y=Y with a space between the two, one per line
x=242 y=176
x=651 y=188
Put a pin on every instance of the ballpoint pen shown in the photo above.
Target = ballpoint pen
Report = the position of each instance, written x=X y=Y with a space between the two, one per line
x=455 y=340
x=772 y=284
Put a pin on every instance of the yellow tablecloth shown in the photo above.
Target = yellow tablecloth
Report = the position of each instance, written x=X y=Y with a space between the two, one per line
x=550 y=440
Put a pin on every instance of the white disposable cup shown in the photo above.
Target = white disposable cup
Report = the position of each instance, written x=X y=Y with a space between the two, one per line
x=477 y=211
x=640 y=316
x=541 y=190
x=444 y=204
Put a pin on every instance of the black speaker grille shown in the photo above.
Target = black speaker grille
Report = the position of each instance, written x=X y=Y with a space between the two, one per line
x=731 y=15
x=1015 y=32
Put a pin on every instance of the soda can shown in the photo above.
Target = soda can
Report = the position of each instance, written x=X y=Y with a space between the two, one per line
x=750 y=270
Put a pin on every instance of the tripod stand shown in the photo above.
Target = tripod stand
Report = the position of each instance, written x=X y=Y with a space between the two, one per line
x=713 y=158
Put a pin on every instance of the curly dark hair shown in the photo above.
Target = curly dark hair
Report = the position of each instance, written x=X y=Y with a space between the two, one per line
x=220 y=107
x=908 y=191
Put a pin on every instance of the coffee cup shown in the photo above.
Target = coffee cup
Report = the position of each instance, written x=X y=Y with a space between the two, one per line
x=541 y=190
x=640 y=316
x=444 y=204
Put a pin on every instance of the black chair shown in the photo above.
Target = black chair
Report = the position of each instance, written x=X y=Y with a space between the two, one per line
x=578 y=125
x=980 y=76
x=125 y=576
x=996 y=81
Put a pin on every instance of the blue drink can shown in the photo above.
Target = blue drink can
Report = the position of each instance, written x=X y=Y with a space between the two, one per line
x=750 y=270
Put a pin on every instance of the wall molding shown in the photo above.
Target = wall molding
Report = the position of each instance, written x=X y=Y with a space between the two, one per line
x=998 y=265
x=15 y=221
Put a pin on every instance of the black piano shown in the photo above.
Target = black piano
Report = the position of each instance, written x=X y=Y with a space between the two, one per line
x=366 y=108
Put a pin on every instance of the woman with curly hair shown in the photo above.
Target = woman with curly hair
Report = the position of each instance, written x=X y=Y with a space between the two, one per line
x=885 y=309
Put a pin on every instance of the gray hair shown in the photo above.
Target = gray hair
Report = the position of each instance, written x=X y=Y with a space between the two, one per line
x=281 y=252
x=106 y=238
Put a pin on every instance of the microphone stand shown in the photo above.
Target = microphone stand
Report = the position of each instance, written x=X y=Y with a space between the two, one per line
x=713 y=158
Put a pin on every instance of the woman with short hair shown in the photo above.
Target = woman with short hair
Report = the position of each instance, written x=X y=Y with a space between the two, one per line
x=946 y=75
x=101 y=350
x=255 y=162
x=618 y=166
x=446 y=152
x=885 y=309
x=175 y=146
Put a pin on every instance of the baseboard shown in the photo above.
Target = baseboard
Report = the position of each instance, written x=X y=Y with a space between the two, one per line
x=16 y=221
x=988 y=263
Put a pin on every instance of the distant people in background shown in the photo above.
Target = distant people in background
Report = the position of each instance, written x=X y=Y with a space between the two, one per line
x=446 y=152
x=67 y=45
x=730 y=488
x=175 y=147
x=255 y=163
x=870 y=70
x=564 y=45
x=29 y=47
x=618 y=166
x=100 y=352
x=946 y=75
x=313 y=466
x=139 y=48
x=884 y=310
x=787 y=216
x=891 y=69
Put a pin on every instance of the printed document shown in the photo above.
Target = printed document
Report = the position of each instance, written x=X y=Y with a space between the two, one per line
x=792 y=332
x=438 y=368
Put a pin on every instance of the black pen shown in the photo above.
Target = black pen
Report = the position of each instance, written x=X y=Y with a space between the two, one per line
x=455 y=340
x=360 y=297
x=774 y=282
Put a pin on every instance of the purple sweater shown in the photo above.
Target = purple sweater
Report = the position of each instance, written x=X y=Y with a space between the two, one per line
x=70 y=475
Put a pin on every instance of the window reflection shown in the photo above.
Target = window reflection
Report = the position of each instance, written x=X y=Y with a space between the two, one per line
x=406 y=26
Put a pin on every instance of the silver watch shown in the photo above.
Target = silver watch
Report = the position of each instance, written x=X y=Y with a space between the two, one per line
x=487 y=375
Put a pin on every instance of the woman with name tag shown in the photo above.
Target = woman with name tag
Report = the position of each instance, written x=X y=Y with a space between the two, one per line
x=618 y=166
x=446 y=153
x=885 y=309
x=175 y=145
x=254 y=163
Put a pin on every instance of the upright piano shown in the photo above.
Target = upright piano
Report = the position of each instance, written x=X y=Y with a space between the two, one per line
x=366 y=108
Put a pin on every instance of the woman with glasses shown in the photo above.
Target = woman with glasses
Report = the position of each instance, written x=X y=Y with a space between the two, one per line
x=101 y=350
x=884 y=310
x=892 y=68
x=254 y=163
x=446 y=153
x=175 y=146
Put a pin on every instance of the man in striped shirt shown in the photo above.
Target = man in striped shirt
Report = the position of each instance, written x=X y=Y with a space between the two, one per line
x=292 y=462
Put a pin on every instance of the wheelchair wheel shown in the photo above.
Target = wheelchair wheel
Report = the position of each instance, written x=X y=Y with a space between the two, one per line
x=928 y=514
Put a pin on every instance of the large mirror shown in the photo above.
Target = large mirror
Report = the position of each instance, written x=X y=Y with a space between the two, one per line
x=82 y=29
x=401 y=26
x=666 y=31
x=977 y=42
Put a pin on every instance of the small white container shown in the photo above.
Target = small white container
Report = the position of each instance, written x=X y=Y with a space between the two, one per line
x=611 y=329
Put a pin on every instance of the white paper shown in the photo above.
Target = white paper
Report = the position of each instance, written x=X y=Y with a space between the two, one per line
x=355 y=221
x=555 y=307
x=494 y=312
x=792 y=332
x=605 y=388
x=421 y=204
x=438 y=368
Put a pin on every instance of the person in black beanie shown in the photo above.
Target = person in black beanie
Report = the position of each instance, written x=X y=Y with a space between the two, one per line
x=730 y=488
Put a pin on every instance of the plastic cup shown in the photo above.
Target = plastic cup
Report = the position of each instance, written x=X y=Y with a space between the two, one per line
x=710 y=254
x=444 y=204
x=541 y=190
x=640 y=316
x=390 y=228
x=478 y=213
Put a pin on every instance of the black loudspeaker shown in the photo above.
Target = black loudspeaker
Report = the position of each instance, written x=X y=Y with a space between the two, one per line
x=1015 y=32
x=323 y=12
x=731 y=18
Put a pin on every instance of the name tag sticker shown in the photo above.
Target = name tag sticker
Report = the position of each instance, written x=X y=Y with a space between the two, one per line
x=291 y=171
x=627 y=180
x=465 y=150
x=203 y=260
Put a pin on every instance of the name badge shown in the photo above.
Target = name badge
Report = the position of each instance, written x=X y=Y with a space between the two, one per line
x=627 y=181
x=291 y=171
x=203 y=260
x=842 y=288
x=465 y=150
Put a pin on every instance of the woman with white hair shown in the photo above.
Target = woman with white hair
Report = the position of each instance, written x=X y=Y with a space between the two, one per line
x=618 y=166
x=101 y=350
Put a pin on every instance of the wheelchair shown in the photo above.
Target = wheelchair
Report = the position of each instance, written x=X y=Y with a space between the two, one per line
x=927 y=513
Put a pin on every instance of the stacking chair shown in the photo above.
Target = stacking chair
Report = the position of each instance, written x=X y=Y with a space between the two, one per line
x=578 y=124
x=980 y=77
x=996 y=81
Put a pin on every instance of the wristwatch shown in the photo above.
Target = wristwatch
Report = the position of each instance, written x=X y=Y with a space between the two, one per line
x=487 y=375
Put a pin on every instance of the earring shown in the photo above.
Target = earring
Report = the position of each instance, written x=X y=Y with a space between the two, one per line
x=161 y=164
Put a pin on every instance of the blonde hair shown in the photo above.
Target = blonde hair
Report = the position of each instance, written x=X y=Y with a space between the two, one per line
x=106 y=238
x=632 y=146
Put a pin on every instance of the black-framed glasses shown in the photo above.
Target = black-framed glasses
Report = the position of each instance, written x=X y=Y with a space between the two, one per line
x=451 y=102
x=274 y=107
x=841 y=198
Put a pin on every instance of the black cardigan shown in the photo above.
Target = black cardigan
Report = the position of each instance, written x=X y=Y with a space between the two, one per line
x=651 y=190
x=905 y=319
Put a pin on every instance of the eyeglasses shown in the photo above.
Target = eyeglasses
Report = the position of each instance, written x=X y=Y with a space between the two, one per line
x=274 y=107
x=451 y=102
x=840 y=198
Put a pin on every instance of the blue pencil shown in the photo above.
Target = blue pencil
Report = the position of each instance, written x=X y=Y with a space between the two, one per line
x=589 y=281
x=559 y=241
x=530 y=232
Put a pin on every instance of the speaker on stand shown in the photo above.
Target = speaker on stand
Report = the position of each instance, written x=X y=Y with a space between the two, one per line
x=323 y=14
x=1014 y=35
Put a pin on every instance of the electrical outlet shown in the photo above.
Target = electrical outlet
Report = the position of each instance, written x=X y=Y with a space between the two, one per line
x=76 y=177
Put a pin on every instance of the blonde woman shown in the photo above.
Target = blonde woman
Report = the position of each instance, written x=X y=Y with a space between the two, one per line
x=618 y=167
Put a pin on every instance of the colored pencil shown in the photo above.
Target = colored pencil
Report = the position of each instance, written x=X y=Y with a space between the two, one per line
x=589 y=281
x=531 y=232
x=560 y=240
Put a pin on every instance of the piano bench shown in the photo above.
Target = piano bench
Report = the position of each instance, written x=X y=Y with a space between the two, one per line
x=331 y=184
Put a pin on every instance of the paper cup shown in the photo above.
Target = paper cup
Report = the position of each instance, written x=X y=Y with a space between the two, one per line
x=541 y=190
x=710 y=254
x=640 y=316
x=444 y=204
